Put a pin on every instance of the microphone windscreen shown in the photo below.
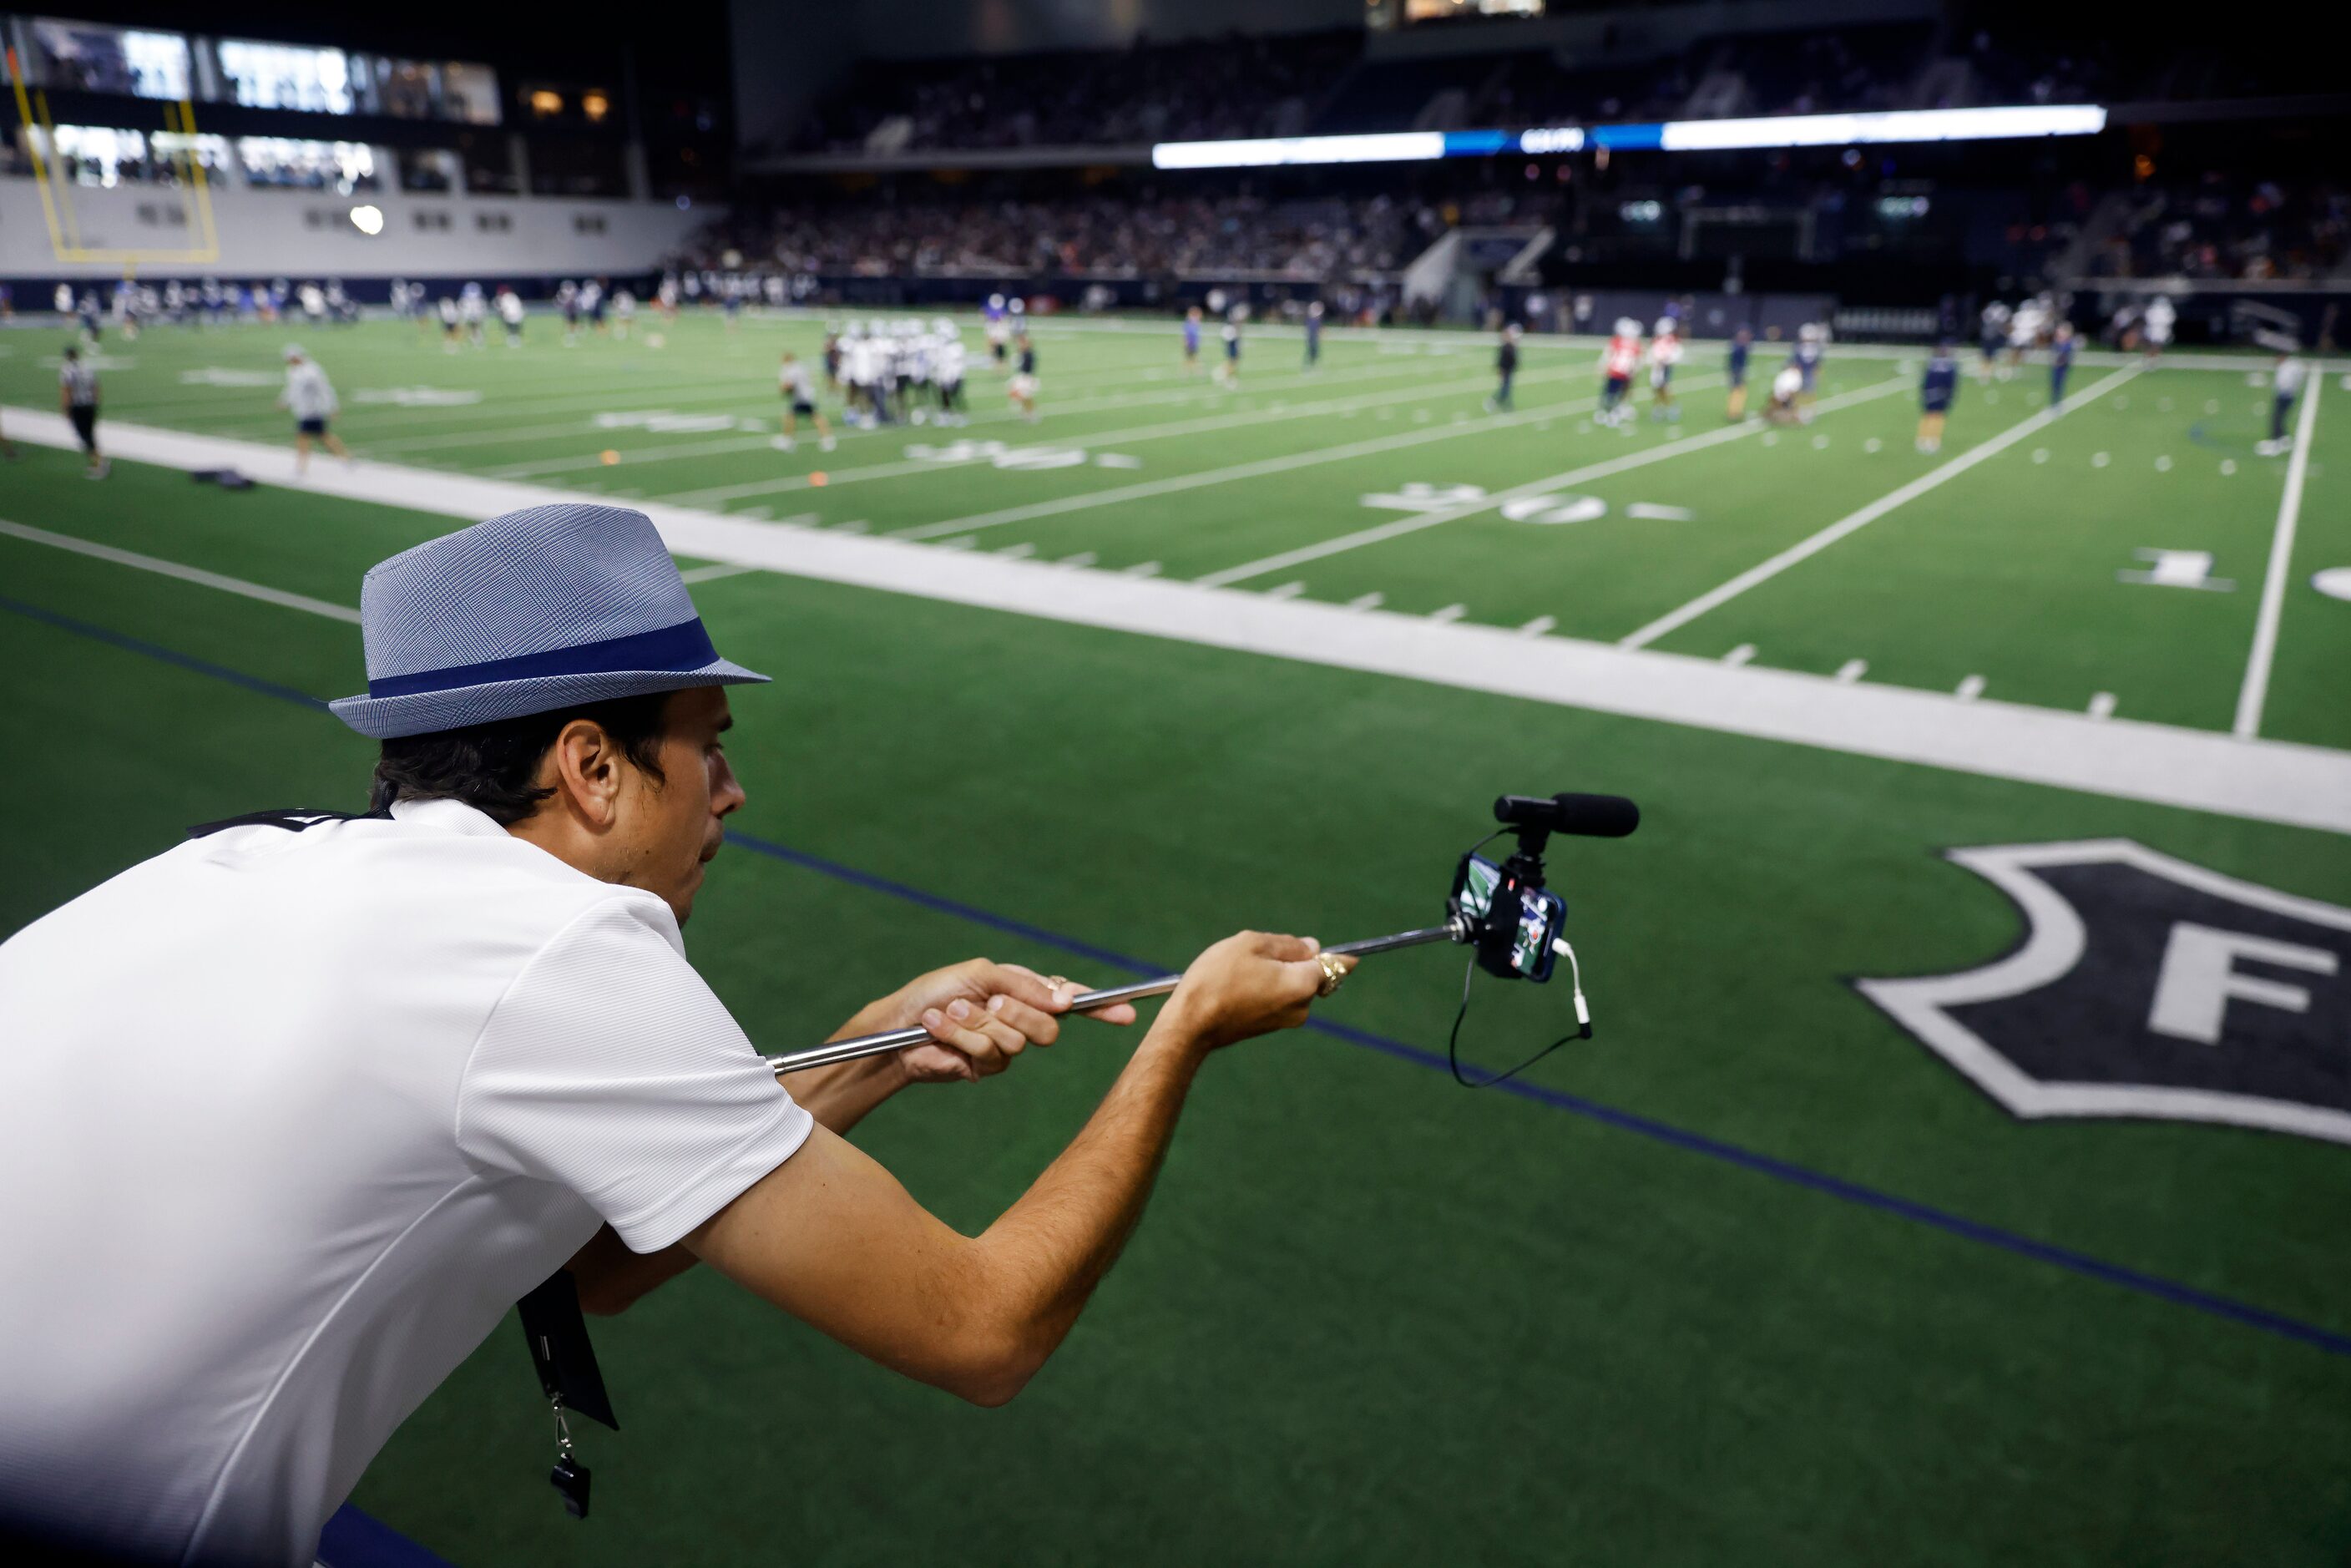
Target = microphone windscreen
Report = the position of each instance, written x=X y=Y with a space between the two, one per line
x=1596 y=816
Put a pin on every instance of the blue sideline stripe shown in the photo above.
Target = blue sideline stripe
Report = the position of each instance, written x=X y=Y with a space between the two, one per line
x=359 y=1542
x=155 y=651
x=355 y=1540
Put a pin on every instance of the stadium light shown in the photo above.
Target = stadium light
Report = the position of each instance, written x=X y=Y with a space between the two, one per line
x=1384 y=147
x=368 y=218
x=2014 y=121
x=1889 y=125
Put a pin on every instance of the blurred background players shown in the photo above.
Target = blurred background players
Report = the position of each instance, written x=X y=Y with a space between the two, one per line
x=1811 y=348
x=1192 y=341
x=999 y=331
x=947 y=366
x=798 y=386
x=1023 y=386
x=1993 y=339
x=510 y=313
x=1229 y=375
x=78 y=401
x=2156 y=326
x=1506 y=367
x=2060 y=360
x=1618 y=361
x=1314 y=334
x=309 y=397
x=1742 y=346
x=2286 y=386
x=1936 y=390
x=1664 y=353
x=1787 y=388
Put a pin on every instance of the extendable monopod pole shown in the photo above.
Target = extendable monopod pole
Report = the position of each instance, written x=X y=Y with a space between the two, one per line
x=1454 y=930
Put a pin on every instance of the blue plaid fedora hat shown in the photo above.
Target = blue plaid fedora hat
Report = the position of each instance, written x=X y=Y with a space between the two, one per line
x=530 y=611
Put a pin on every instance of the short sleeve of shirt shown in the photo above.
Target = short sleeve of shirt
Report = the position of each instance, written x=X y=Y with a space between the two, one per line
x=612 y=1067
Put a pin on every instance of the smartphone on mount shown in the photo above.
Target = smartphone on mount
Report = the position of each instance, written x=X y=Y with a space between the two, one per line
x=1519 y=922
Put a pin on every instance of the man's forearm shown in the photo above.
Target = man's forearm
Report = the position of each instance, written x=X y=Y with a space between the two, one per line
x=1047 y=1252
x=840 y=1096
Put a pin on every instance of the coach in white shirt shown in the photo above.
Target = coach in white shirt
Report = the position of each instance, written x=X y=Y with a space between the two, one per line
x=291 y=1113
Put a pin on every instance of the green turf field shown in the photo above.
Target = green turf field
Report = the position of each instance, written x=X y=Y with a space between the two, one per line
x=1752 y=1277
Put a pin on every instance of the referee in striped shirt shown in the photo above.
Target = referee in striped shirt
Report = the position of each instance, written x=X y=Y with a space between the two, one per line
x=78 y=401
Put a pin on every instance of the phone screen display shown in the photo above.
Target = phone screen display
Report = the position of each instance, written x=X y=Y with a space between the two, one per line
x=1479 y=878
x=1540 y=912
x=1531 y=917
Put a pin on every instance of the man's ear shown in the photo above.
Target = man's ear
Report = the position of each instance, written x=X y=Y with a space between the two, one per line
x=588 y=772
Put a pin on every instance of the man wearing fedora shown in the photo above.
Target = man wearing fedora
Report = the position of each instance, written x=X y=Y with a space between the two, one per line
x=291 y=1113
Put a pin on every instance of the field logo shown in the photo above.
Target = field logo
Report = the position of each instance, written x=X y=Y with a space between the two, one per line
x=2147 y=986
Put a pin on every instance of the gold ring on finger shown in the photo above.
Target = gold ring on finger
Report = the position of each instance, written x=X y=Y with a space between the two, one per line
x=1334 y=970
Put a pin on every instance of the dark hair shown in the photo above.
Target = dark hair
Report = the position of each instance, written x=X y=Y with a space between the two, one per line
x=494 y=767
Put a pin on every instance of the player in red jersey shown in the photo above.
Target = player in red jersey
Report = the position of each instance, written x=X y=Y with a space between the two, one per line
x=1617 y=363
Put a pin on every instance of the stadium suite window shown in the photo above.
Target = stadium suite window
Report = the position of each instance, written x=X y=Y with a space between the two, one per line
x=455 y=91
x=106 y=156
x=429 y=170
x=341 y=166
x=92 y=57
x=286 y=76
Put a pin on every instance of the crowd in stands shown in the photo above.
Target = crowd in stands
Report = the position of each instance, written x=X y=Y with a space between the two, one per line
x=1324 y=239
x=2221 y=228
x=1321 y=83
x=1165 y=92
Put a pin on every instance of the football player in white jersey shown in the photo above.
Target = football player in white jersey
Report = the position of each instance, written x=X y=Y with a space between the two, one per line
x=796 y=383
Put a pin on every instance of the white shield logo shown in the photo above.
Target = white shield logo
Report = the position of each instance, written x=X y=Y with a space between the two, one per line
x=2147 y=986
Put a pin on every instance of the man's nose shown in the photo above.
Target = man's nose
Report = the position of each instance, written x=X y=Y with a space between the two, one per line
x=727 y=794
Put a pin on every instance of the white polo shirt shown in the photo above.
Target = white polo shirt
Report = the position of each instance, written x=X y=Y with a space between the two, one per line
x=288 y=1120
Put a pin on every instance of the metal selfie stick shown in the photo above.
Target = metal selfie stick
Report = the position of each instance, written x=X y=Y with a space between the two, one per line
x=1454 y=930
x=1532 y=817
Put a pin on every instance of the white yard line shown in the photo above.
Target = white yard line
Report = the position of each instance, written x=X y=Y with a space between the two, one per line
x=2266 y=781
x=1149 y=488
x=2256 y=690
x=713 y=573
x=1843 y=526
x=278 y=596
x=1381 y=533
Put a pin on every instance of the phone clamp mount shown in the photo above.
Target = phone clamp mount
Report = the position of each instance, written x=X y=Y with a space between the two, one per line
x=1532 y=817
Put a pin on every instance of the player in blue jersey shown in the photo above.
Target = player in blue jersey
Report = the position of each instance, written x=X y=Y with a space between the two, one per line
x=1192 y=341
x=1742 y=345
x=1505 y=369
x=1936 y=390
x=2060 y=360
x=1314 y=334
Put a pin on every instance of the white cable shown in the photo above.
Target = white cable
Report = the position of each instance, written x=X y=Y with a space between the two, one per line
x=1574 y=979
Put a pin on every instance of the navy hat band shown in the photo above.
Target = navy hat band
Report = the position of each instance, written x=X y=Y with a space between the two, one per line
x=684 y=646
